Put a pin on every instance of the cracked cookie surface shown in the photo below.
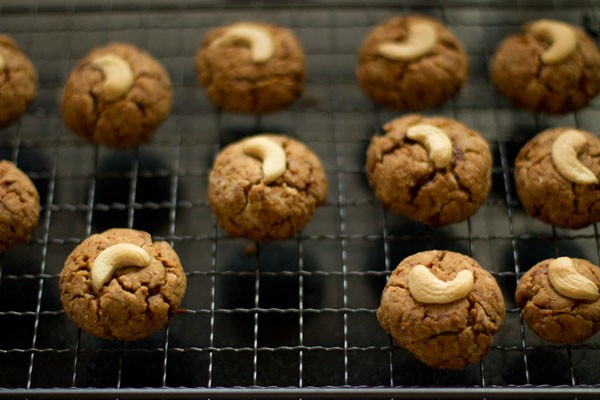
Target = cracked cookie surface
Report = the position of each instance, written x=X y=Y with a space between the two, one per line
x=234 y=83
x=547 y=195
x=128 y=121
x=519 y=74
x=451 y=335
x=18 y=81
x=136 y=301
x=406 y=181
x=247 y=207
x=411 y=85
x=552 y=316
x=19 y=206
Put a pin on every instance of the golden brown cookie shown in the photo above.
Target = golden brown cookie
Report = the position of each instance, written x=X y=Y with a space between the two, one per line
x=266 y=187
x=18 y=81
x=430 y=169
x=546 y=184
x=443 y=307
x=116 y=96
x=251 y=67
x=559 y=299
x=549 y=67
x=19 y=206
x=121 y=285
x=412 y=63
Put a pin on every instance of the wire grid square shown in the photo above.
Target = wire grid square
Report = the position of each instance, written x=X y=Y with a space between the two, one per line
x=299 y=313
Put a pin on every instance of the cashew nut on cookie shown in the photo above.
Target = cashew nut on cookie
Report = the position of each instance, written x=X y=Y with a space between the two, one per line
x=437 y=143
x=258 y=39
x=115 y=257
x=561 y=36
x=118 y=76
x=420 y=41
x=270 y=153
x=427 y=288
x=564 y=153
x=565 y=279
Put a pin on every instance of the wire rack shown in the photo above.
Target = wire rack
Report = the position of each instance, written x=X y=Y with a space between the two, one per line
x=295 y=318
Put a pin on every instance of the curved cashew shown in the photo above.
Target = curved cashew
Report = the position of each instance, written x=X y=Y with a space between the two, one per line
x=259 y=40
x=437 y=143
x=2 y=63
x=427 y=288
x=118 y=76
x=115 y=257
x=565 y=279
x=421 y=40
x=271 y=153
x=561 y=36
x=564 y=153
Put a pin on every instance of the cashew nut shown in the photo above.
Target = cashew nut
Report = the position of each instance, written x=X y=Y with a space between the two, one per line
x=437 y=143
x=2 y=63
x=565 y=279
x=564 y=153
x=421 y=40
x=561 y=36
x=115 y=257
x=270 y=153
x=427 y=288
x=254 y=36
x=118 y=76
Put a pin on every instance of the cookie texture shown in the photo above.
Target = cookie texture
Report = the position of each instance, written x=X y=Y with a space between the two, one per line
x=246 y=206
x=122 y=122
x=405 y=179
x=19 y=206
x=451 y=335
x=18 y=81
x=546 y=194
x=424 y=82
x=236 y=83
x=136 y=301
x=552 y=316
x=519 y=74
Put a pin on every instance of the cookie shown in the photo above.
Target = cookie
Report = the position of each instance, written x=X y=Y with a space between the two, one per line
x=116 y=96
x=443 y=307
x=120 y=285
x=556 y=177
x=18 y=81
x=251 y=67
x=549 y=67
x=432 y=170
x=19 y=206
x=411 y=63
x=559 y=299
x=266 y=187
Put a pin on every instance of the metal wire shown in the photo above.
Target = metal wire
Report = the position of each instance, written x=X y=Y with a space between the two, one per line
x=294 y=319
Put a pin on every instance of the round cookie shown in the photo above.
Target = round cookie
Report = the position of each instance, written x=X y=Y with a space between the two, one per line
x=266 y=187
x=412 y=63
x=554 y=197
x=251 y=67
x=549 y=67
x=116 y=96
x=126 y=303
x=452 y=323
x=557 y=317
x=430 y=187
x=18 y=81
x=19 y=206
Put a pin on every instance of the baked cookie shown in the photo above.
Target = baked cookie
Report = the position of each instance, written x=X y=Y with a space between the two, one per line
x=19 y=206
x=116 y=96
x=559 y=299
x=251 y=67
x=412 y=63
x=121 y=285
x=266 y=187
x=549 y=67
x=443 y=307
x=432 y=170
x=556 y=177
x=18 y=81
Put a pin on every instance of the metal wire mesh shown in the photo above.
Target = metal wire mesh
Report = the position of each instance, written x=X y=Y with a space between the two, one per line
x=294 y=318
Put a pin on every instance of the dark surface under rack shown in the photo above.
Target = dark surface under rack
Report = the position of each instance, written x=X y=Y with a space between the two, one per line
x=294 y=318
